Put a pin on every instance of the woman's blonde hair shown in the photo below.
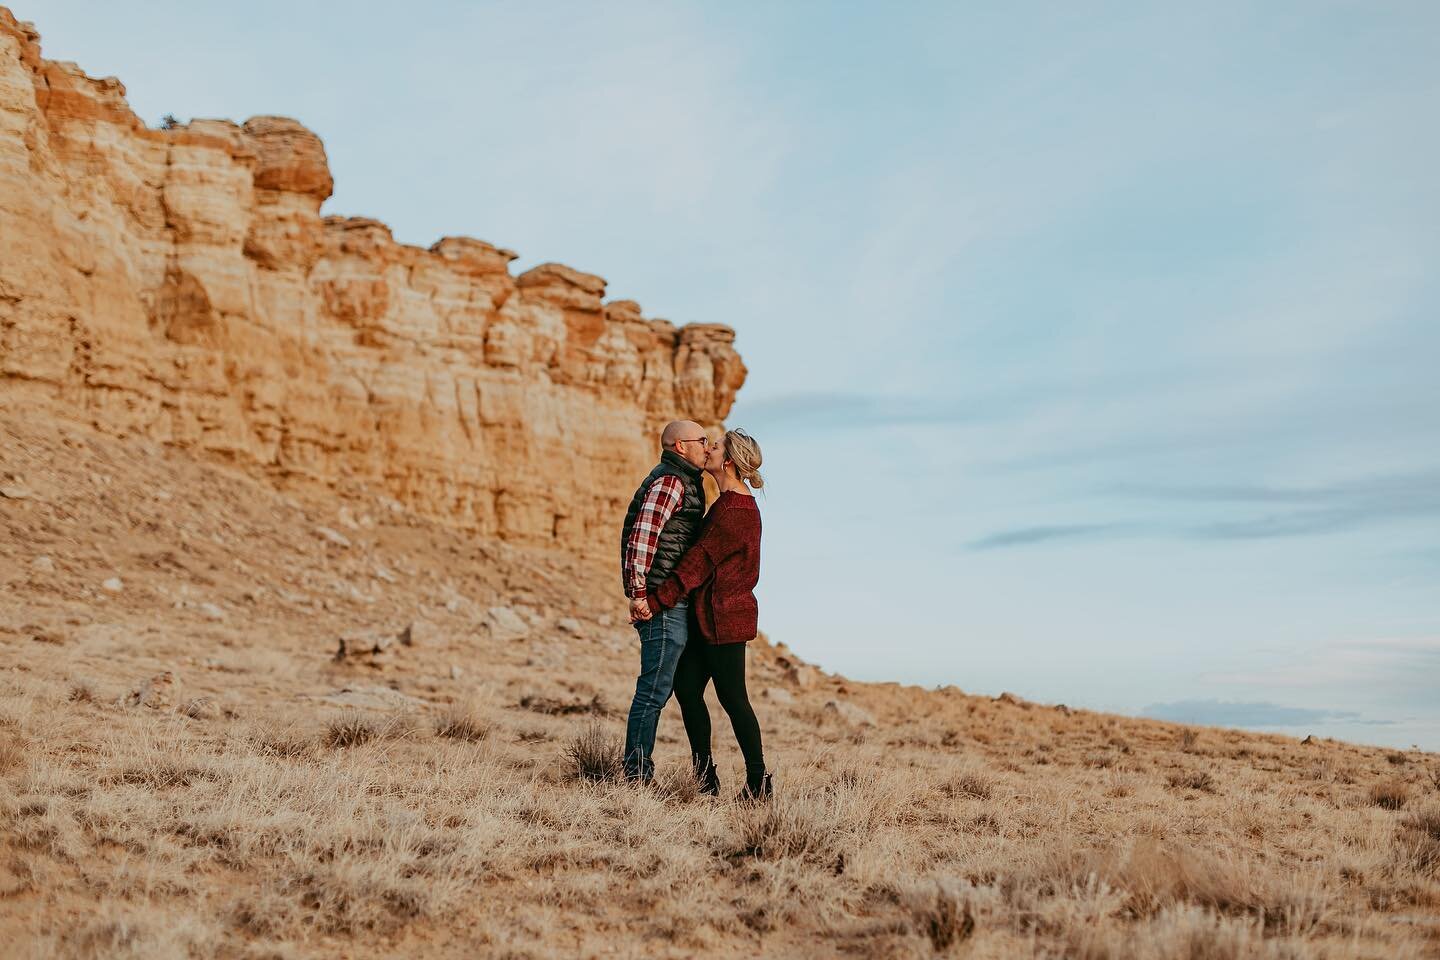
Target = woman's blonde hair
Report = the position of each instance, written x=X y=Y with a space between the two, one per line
x=742 y=450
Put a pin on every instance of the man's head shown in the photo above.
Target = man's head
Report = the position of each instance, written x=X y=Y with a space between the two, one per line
x=687 y=438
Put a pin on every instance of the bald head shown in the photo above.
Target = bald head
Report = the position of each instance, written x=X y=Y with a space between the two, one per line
x=687 y=438
x=677 y=430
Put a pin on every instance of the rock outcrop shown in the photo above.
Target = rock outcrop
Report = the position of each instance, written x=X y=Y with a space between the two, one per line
x=182 y=284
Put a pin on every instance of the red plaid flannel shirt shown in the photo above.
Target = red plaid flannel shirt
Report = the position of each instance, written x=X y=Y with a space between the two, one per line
x=661 y=500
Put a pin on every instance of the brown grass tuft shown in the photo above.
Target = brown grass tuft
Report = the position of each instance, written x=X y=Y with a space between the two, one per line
x=594 y=755
x=970 y=784
x=12 y=754
x=1187 y=740
x=1192 y=780
x=943 y=917
x=1418 y=844
x=550 y=706
x=353 y=728
x=1390 y=794
x=786 y=827
x=461 y=724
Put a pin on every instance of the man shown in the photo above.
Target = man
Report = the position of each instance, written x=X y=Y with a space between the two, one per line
x=663 y=521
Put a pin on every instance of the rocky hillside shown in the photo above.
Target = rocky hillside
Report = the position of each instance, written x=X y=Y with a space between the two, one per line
x=181 y=285
x=310 y=644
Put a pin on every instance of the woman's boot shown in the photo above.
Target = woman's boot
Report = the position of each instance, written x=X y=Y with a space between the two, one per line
x=706 y=774
x=757 y=785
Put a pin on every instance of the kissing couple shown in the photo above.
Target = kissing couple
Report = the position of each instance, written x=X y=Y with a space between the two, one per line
x=690 y=576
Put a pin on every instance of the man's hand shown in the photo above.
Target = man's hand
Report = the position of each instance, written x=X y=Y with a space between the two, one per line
x=639 y=609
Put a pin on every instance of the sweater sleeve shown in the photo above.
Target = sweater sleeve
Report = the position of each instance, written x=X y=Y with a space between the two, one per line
x=719 y=541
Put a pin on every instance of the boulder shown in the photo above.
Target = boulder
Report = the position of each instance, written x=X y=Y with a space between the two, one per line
x=849 y=714
x=505 y=624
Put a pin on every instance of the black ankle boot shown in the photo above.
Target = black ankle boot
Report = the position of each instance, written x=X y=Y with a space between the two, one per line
x=706 y=774
x=758 y=787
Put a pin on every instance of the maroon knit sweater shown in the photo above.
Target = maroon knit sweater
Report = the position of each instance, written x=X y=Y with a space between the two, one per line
x=720 y=572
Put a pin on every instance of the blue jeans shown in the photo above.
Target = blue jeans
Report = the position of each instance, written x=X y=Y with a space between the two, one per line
x=662 y=640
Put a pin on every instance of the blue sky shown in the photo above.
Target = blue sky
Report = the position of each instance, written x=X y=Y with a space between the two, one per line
x=1093 y=352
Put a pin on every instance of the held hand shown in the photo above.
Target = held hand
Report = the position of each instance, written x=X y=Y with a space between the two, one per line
x=639 y=610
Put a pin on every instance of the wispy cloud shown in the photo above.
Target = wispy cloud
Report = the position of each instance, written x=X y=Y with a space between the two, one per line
x=1318 y=510
x=1025 y=536
x=1230 y=713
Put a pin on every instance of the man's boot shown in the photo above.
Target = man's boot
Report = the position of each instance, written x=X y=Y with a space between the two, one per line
x=706 y=774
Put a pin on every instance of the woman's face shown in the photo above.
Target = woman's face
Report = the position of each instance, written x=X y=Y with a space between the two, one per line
x=715 y=456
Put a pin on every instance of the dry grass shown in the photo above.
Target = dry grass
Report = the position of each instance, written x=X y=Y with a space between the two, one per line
x=285 y=826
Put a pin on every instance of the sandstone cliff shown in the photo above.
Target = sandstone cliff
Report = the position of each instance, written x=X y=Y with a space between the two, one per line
x=182 y=284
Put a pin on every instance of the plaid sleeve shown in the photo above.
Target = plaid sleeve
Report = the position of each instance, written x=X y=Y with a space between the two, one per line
x=661 y=500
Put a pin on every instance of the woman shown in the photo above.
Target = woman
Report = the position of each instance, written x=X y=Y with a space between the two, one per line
x=719 y=574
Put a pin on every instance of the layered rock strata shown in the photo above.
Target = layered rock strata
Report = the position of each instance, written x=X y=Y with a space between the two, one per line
x=182 y=284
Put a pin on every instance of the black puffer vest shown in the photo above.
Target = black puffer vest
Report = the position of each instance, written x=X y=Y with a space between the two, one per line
x=681 y=530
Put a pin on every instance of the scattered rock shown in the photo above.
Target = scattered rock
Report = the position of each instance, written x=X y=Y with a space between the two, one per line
x=605 y=620
x=546 y=654
x=43 y=564
x=333 y=536
x=1309 y=739
x=1013 y=700
x=506 y=624
x=372 y=698
x=211 y=611
x=365 y=648
x=569 y=625
x=41 y=635
x=156 y=693
x=200 y=708
x=1063 y=710
x=113 y=585
x=455 y=672
x=15 y=491
x=385 y=573
x=849 y=713
x=418 y=633
x=778 y=695
x=801 y=675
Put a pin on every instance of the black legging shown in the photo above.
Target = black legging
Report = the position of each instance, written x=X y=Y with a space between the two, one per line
x=724 y=663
